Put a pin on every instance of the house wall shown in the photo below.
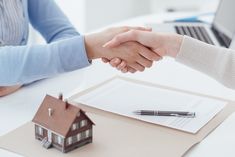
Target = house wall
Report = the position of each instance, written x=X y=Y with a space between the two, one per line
x=55 y=144
x=64 y=147
x=45 y=134
x=78 y=131
x=38 y=136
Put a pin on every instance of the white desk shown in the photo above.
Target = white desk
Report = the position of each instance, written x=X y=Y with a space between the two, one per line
x=21 y=106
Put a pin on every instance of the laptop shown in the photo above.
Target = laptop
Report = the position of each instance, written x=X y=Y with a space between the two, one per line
x=219 y=33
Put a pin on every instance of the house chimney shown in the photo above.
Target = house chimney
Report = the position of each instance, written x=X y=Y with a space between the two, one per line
x=61 y=96
x=50 y=112
x=66 y=104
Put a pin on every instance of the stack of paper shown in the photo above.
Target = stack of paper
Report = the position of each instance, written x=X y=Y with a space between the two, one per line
x=123 y=97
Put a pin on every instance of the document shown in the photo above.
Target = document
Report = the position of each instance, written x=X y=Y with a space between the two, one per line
x=123 y=97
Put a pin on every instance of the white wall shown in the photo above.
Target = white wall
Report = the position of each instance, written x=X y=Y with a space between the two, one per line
x=103 y=12
x=88 y=15
x=182 y=5
x=76 y=11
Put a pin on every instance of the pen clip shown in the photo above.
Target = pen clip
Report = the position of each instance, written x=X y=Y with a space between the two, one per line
x=179 y=115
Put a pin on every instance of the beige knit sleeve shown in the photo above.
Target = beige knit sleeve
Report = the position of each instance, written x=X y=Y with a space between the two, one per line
x=216 y=62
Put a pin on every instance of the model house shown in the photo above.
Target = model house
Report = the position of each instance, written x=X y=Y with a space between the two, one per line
x=61 y=125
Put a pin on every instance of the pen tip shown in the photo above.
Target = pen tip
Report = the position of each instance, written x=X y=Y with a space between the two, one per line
x=136 y=112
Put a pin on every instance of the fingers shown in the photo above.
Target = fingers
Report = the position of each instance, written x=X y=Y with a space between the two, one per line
x=122 y=38
x=115 y=62
x=140 y=28
x=122 y=65
x=146 y=56
x=131 y=70
x=124 y=70
x=137 y=66
x=105 y=60
x=150 y=55
x=8 y=90
x=144 y=62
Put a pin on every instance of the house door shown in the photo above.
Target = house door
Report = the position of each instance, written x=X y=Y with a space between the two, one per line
x=49 y=136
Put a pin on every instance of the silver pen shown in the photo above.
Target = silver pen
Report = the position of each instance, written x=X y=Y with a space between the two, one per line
x=165 y=113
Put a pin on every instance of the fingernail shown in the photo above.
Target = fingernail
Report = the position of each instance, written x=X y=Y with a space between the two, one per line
x=116 y=60
x=105 y=45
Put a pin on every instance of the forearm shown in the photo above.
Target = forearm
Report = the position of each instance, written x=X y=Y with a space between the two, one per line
x=25 y=64
x=216 y=62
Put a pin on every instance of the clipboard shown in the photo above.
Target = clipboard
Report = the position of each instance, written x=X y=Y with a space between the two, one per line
x=116 y=136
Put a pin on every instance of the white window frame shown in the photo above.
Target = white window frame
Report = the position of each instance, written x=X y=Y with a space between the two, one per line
x=74 y=139
x=74 y=126
x=36 y=129
x=39 y=130
x=55 y=138
x=69 y=141
x=88 y=133
x=83 y=135
x=60 y=140
x=83 y=123
x=79 y=137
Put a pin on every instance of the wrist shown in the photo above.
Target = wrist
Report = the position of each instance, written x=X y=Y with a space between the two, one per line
x=93 y=46
x=173 y=44
x=89 y=45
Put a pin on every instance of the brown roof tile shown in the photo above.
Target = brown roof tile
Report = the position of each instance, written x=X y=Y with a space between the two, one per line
x=61 y=118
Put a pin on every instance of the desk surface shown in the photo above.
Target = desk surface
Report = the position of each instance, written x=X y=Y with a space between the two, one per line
x=21 y=106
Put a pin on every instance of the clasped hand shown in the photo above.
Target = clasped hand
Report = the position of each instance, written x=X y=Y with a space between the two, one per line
x=130 y=55
x=139 y=47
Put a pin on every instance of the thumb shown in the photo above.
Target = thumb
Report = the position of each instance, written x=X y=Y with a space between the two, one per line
x=121 y=38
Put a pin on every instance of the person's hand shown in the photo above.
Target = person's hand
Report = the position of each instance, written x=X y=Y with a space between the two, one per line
x=119 y=65
x=164 y=44
x=135 y=55
x=8 y=90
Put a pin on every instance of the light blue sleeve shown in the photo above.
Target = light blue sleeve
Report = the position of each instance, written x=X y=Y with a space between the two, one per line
x=64 y=51
x=25 y=64
x=46 y=17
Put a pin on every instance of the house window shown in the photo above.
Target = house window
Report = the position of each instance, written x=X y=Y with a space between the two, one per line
x=60 y=140
x=39 y=130
x=88 y=133
x=83 y=123
x=83 y=135
x=75 y=126
x=69 y=141
x=57 y=139
x=74 y=139
x=79 y=136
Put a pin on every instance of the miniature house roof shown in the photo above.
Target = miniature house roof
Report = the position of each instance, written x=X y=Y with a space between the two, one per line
x=56 y=115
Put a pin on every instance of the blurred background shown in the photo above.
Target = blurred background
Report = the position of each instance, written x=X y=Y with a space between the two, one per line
x=89 y=15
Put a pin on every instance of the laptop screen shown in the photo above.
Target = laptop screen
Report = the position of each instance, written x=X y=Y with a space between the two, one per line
x=224 y=20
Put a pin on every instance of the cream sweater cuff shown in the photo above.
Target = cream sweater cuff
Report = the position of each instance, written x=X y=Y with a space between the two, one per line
x=216 y=62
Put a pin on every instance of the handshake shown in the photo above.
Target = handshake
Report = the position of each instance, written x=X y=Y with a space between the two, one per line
x=131 y=49
x=128 y=49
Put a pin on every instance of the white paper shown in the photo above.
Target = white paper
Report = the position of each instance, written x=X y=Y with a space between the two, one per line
x=123 y=97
